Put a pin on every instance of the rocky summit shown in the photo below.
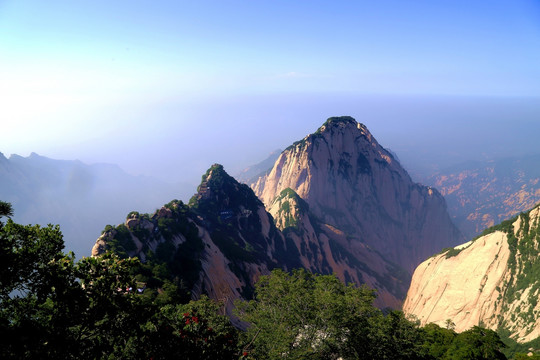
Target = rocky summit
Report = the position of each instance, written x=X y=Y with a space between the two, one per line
x=352 y=183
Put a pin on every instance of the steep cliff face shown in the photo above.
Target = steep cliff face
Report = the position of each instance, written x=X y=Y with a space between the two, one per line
x=354 y=184
x=493 y=280
x=224 y=239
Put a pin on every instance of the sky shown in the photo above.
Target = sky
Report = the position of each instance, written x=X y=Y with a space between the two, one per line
x=167 y=88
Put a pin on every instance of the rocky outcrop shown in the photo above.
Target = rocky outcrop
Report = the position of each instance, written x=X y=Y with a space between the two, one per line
x=352 y=183
x=337 y=203
x=492 y=281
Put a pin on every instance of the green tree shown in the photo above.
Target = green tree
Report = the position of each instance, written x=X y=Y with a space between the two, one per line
x=394 y=337
x=301 y=315
x=6 y=209
x=27 y=274
x=52 y=307
x=521 y=356
x=436 y=341
x=191 y=331
x=476 y=343
x=110 y=322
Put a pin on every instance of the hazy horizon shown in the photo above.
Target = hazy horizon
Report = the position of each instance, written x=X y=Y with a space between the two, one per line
x=426 y=133
x=169 y=88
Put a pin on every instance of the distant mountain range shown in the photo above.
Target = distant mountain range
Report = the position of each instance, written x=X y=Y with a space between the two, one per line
x=252 y=173
x=80 y=198
x=482 y=194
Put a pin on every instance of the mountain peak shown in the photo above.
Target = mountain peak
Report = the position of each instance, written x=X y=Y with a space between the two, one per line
x=351 y=182
x=341 y=122
x=219 y=192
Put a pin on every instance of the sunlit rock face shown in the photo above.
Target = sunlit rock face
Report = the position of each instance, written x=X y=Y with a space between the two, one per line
x=492 y=281
x=354 y=184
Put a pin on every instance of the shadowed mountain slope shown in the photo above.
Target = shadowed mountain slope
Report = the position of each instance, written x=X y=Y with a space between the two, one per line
x=223 y=240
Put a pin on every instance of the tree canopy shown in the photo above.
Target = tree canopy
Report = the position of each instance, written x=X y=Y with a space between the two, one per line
x=53 y=307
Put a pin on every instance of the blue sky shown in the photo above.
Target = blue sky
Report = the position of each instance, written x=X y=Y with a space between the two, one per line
x=166 y=87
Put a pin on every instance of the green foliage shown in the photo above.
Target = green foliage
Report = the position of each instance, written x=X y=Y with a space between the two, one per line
x=301 y=315
x=52 y=307
x=223 y=193
x=25 y=254
x=5 y=209
x=133 y=214
x=191 y=331
x=449 y=252
x=523 y=265
x=517 y=350
x=505 y=226
x=172 y=270
x=287 y=196
x=231 y=248
x=395 y=338
x=452 y=252
x=476 y=343
x=437 y=341
x=524 y=356
x=122 y=242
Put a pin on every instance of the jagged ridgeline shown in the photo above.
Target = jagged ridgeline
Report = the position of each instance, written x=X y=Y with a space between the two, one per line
x=493 y=280
x=337 y=202
x=224 y=239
